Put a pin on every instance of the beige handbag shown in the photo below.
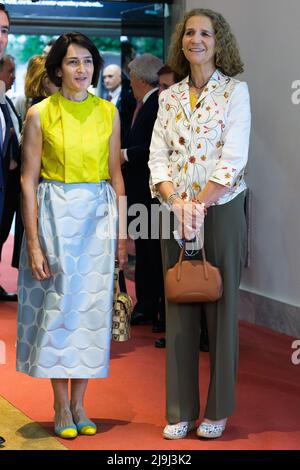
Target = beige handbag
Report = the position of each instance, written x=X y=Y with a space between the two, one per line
x=122 y=308
x=193 y=281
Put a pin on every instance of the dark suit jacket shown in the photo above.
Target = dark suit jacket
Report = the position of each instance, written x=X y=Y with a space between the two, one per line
x=12 y=186
x=4 y=156
x=136 y=172
x=126 y=105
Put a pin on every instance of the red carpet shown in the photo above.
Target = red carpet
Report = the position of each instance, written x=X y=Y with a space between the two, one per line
x=129 y=405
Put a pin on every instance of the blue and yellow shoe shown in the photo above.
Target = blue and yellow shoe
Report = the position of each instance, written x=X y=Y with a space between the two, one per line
x=87 y=428
x=66 y=432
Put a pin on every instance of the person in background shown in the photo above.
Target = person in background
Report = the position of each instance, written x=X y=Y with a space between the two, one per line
x=198 y=155
x=12 y=191
x=112 y=83
x=71 y=185
x=167 y=78
x=4 y=117
x=8 y=71
x=150 y=307
x=38 y=86
x=128 y=101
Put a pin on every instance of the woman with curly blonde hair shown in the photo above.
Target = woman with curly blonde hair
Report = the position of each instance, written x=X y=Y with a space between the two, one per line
x=198 y=154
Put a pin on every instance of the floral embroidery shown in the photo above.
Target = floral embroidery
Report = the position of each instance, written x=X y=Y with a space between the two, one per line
x=199 y=130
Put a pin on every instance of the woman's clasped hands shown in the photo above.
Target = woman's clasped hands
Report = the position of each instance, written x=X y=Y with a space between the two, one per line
x=190 y=215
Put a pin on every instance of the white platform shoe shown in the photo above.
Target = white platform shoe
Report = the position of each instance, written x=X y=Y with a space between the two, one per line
x=211 y=430
x=179 y=430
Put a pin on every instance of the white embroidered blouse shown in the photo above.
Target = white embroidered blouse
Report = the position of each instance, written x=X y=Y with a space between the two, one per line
x=208 y=143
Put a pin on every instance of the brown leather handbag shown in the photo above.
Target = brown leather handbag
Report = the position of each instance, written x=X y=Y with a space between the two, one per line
x=193 y=281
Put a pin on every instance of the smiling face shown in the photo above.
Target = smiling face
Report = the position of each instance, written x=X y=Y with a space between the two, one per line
x=198 y=41
x=77 y=69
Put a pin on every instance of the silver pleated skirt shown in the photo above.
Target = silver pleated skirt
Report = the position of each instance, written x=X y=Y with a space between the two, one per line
x=64 y=323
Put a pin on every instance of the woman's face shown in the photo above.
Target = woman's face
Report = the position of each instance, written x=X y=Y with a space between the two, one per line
x=77 y=69
x=198 y=41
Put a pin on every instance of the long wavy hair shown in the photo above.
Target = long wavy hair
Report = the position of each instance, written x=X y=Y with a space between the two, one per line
x=227 y=56
x=36 y=72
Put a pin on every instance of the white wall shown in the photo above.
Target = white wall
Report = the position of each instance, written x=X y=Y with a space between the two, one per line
x=267 y=32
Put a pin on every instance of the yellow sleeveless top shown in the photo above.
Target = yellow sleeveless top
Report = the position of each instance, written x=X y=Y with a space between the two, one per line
x=76 y=138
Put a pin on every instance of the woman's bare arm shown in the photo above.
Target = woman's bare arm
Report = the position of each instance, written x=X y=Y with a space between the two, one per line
x=118 y=185
x=30 y=173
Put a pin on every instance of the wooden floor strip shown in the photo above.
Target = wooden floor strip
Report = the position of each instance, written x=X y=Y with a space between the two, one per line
x=21 y=433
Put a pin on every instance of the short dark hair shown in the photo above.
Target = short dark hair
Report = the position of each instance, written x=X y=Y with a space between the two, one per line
x=4 y=59
x=59 y=50
x=167 y=69
x=2 y=8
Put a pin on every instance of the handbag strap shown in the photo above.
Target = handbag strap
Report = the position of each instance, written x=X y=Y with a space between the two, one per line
x=122 y=282
x=179 y=264
x=120 y=279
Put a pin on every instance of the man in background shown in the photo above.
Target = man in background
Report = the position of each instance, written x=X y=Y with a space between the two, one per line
x=112 y=83
x=4 y=135
x=150 y=308
x=13 y=189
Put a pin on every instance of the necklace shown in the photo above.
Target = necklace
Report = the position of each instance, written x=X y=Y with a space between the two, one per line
x=192 y=83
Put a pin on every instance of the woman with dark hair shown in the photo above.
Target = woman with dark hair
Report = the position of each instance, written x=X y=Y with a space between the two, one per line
x=198 y=155
x=71 y=185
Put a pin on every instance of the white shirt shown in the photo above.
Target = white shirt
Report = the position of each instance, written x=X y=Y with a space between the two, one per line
x=115 y=94
x=210 y=143
x=2 y=100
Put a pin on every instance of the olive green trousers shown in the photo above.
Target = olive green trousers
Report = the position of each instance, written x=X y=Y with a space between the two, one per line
x=225 y=247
